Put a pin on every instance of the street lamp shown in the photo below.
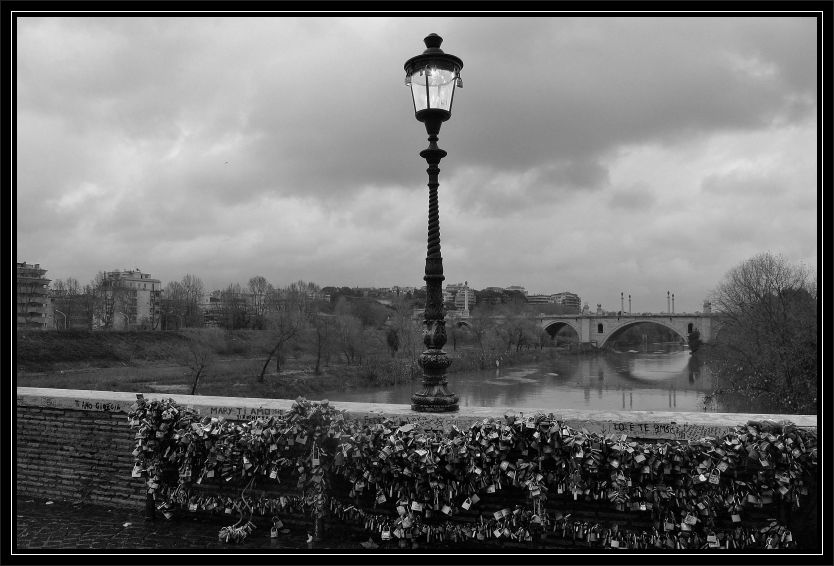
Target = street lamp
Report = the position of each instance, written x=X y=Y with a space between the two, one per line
x=433 y=76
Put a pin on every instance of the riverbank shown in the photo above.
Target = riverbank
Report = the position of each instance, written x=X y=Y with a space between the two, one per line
x=155 y=361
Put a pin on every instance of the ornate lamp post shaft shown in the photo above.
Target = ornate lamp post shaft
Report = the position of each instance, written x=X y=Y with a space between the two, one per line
x=434 y=361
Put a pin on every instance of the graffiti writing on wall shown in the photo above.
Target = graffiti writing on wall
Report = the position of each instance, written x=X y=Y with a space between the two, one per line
x=108 y=407
x=679 y=431
x=237 y=413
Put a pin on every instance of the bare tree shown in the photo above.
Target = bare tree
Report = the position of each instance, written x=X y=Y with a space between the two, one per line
x=109 y=295
x=173 y=305
x=259 y=287
x=408 y=329
x=274 y=299
x=520 y=332
x=200 y=353
x=322 y=326
x=765 y=343
x=300 y=296
x=88 y=303
x=543 y=338
x=483 y=328
x=234 y=308
x=348 y=330
x=180 y=303
x=66 y=299
x=193 y=291
x=282 y=327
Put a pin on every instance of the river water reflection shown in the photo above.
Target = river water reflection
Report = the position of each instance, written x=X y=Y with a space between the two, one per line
x=661 y=380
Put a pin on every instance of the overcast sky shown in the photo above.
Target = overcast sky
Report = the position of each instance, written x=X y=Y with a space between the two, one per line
x=586 y=154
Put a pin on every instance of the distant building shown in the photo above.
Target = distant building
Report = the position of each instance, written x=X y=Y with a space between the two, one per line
x=465 y=297
x=33 y=305
x=228 y=308
x=212 y=308
x=319 y=296
x=518 y=288
x=567 y=299
x=449 y=292
x=131 y=300
x=397 y=290
x=459 y=294
x=540 y=299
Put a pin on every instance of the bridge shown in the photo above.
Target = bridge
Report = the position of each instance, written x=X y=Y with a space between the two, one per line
x=600 y=327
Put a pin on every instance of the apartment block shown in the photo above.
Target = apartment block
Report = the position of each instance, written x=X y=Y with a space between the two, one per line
x=132 y=299
x=33 y=305
x=460 y=294
x=567 y=299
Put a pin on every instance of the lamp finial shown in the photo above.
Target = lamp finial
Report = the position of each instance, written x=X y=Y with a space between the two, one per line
x=433 y=41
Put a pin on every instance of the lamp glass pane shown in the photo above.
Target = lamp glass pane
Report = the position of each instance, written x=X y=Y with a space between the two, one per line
x=432 y=87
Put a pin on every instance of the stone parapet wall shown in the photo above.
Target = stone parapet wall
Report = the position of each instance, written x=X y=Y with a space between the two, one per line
x=77 y=444
x=75 y=455
x=74 y=444
x=635 y=424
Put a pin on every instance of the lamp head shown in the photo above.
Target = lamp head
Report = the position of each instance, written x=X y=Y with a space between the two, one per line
x=433 y=76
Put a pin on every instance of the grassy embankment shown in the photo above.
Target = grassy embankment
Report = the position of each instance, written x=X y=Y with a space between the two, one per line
x=158 y=361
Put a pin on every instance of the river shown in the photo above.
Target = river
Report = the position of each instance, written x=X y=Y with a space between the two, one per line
x=662 y=379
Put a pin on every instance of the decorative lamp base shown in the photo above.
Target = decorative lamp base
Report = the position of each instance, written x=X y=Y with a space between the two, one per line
x=434 y=398
x=440 y=403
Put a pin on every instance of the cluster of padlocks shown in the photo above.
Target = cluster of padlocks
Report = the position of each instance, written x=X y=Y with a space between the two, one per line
x=407 y=483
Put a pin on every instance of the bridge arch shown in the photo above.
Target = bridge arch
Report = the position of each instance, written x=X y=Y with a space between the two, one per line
x=612 y=330
x=553 y=327
x=587 y=327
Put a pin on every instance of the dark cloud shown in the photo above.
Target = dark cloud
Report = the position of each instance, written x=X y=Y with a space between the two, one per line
x=531 y=96
x=217 y=145
x=493 y=192
x=622 y=81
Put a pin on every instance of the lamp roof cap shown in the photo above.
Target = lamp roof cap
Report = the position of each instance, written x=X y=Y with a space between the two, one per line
x=433 y=54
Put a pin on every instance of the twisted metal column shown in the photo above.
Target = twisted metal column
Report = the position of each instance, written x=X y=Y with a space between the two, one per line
x=434 y=362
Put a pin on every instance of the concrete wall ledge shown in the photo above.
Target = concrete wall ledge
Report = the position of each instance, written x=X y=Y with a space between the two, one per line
x=635 y=424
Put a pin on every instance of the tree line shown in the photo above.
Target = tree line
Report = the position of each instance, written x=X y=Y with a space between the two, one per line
x=97 y=304
x=322 y=324
x=186 y=304
x=765 y=342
